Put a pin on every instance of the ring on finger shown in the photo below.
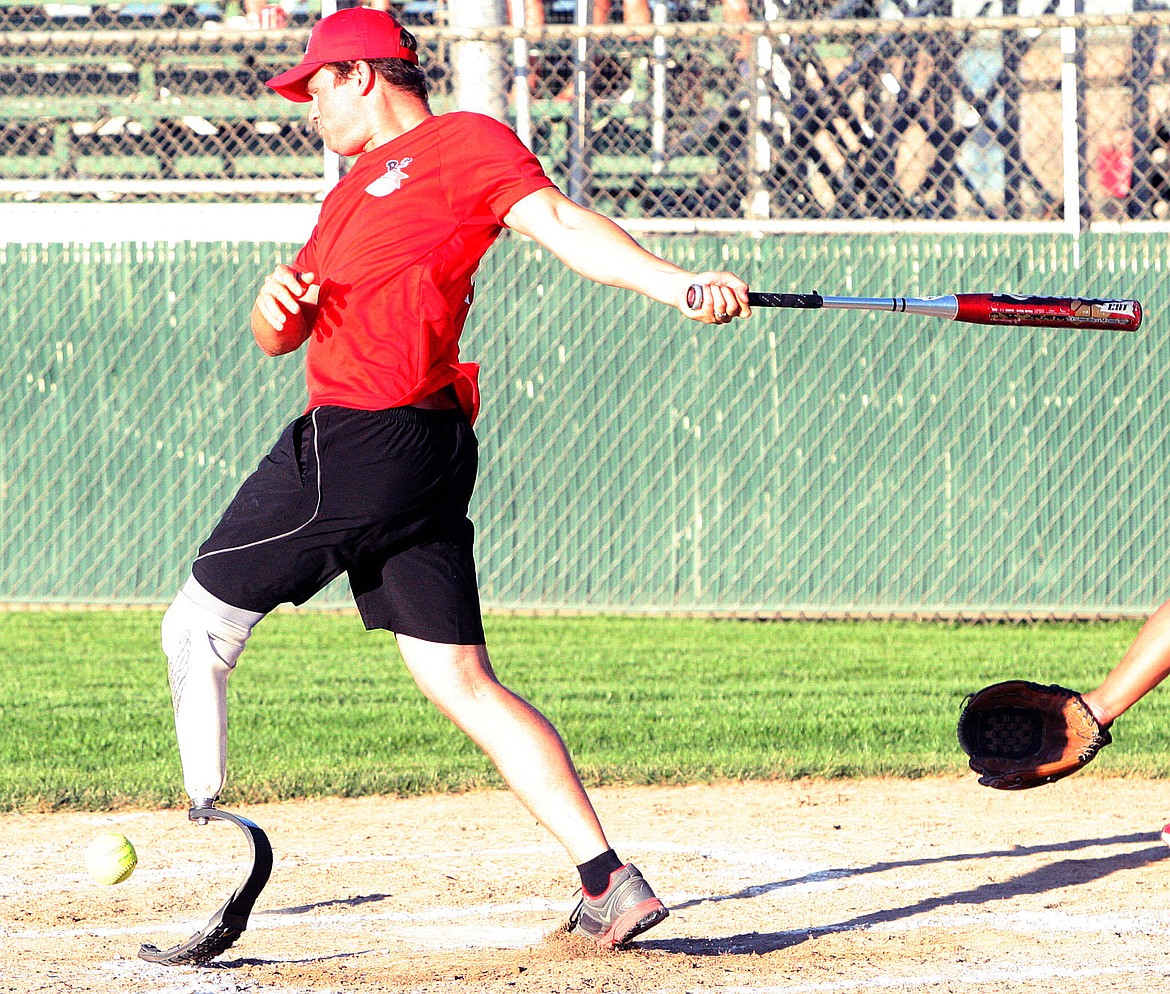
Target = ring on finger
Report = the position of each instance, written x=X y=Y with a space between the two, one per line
x=720 y=316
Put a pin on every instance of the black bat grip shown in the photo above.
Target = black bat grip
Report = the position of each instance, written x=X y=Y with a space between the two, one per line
x=808 y=301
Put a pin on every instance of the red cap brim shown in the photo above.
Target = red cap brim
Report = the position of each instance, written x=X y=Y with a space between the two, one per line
x=292 y=84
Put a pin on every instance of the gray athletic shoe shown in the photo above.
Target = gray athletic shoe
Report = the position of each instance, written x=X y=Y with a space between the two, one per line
x=626 y=909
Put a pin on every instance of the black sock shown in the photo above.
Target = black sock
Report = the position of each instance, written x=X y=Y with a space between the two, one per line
x=595 y=874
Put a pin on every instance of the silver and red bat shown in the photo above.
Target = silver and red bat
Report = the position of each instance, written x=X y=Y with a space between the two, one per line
x=970 y=308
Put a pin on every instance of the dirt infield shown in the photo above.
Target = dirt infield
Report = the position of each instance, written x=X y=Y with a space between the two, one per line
x=930 y=885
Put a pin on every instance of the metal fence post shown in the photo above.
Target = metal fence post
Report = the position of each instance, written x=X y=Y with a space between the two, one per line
x=521 y=75
x=760 y=150
x=1072 y=105
x=658 y=98
x=478 y=66
x=1145 y=53
x=582 y=111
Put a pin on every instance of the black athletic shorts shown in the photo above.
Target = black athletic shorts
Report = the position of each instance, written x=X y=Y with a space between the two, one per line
x=380 y=495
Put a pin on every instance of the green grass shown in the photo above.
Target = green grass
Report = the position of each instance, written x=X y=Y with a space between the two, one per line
x=320 y=707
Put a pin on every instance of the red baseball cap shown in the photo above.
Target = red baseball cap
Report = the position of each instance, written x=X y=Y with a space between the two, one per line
x=346 y=36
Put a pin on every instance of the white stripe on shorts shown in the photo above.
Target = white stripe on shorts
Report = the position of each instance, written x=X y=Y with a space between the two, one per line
x=300 y=527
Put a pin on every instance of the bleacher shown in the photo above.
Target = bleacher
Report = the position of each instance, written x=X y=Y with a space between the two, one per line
x=801 y=120
x=132 y=101
x=162 y=100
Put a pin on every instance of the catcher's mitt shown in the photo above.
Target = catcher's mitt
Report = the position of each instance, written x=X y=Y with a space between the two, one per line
x=1021 y=734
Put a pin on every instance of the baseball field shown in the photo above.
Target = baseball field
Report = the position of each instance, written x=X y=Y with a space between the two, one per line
x=802 y=808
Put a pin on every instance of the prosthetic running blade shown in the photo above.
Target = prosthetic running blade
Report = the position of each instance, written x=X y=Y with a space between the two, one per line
x=229 y=922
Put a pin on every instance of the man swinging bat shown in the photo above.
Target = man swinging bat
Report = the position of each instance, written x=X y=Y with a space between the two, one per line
x=374 y=478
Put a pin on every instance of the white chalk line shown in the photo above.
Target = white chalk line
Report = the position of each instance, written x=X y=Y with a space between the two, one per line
x=54 y=883
x=13 y=887
x=282 y=919
x=1011 y=975
x=1024 y=922
x=141 y=974
x=777 y=862
x=464 y=927
x=467 y=927
x=982 y=978
x=275 y=920
x=144 y=978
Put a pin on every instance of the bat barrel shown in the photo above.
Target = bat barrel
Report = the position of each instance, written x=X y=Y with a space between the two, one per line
x=1049 y=312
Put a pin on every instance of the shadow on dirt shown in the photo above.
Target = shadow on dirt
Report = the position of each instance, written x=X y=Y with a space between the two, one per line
x=341 y=902
x=1054 y=876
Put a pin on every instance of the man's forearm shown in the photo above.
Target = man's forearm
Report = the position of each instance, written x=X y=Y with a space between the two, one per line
x=279 y=341
x=1145 y=665
x=602 y=251
x=285 y=311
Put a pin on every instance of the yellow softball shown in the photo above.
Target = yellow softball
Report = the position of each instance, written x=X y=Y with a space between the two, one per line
x=110 y=858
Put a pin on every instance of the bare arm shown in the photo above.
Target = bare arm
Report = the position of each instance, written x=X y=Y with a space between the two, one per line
x=594 y=246
x=1145 y=665
x=284 y=311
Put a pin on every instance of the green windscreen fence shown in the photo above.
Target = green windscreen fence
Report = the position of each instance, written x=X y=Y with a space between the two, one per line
x=798 y=462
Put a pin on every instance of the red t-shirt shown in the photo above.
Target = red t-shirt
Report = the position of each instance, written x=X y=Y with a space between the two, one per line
x=395 y=251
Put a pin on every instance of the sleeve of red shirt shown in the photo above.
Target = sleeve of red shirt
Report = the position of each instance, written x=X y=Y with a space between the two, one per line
x=501 y=170
x=304 y=263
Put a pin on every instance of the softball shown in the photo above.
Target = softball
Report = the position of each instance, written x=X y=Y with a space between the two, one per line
x=110 y=858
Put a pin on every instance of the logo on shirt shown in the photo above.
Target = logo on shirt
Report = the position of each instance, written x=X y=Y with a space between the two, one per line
x=385 y=185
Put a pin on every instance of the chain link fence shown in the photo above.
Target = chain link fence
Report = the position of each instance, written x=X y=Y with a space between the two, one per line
x=800 y=464
x=835 y=463
x=902 y=116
